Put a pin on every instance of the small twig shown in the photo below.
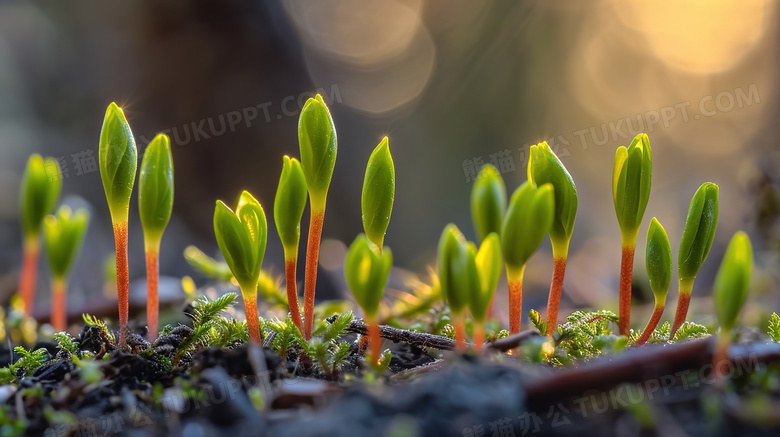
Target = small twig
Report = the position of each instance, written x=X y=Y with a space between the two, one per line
x=511 y=342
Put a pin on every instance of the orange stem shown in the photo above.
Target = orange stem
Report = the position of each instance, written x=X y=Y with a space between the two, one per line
x=58 y=312
x=310 y=282
x=28 y=274
x=556 y=288
x=515 y=305
x=479 y=335
x=374 y=340
x=252 y=319
x=122 y=277
x=651 y=324
x=152 y=301
x=292 y=292
x=626 y=270
x=683 y=301
x=460 y=333
x=720 y=356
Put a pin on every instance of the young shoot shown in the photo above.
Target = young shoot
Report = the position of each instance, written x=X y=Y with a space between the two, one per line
x=118 y=160
x=155 y=203
x=288 y=210
x=38 y=195
x=366 y=271
x=695 y=245
x=730 y=291
x=241 y=237
x=64 y=235
x=458 y=277
x=528 y=220
x=488 y=262
x=631 y=180
x=545 y=167
x=318 y=144
x=376 y=201
x=488 y=202
x=658 y=260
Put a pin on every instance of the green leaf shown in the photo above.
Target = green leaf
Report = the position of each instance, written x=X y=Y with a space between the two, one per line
x=733 y=279
x=318 y=144
x=690 y=330
x=39 y=192
x=366 y=272
x=118 y=159
x=155 y=189
x=241 y=237
x=488 y=202
x=544 y=167
x=658 y=260
x=458 y=276
x=527 y=221
x=378 y=192
x=699 y=231
x=64 y=235
x=774 y=327
x=488 y=262
x=206 y=264
x=631 y=180
x=538 y=321
x=289 y=204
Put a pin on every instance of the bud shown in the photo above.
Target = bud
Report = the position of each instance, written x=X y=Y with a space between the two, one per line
x=64 y=234
x=658 y=260
x=155 y=189
x=366 y=272
x=378 y=193
x=733 y=279
x=241 y=237
x=631 y=178
x=118 y=160
x=527 y=221
x=289 y=204
x=544 y=167
x=488 y=202
x=317 y=140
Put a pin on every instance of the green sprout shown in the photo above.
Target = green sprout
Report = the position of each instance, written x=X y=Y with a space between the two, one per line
x=528 y=219
x=241 y=237
x=544 y=167
x=488 y=202
x=458 y=277
x=378 y=193
x=658 y=260
x=64 y=236
x=317 y=141
x=631 y=180
x=155 y=203
x=38 y=195
x=488 y=263
x=366 y=272
x=118 y=161
x=288 y=210
x=695 y=245
x=731 y=289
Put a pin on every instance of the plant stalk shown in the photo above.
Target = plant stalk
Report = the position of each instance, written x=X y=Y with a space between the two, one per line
x=59 y=318
x=721 y=355
x=122 y=277
x=374 y=339
x=515 y=279
x=290 y=265
x=626 y=270
x=29 y=273
x=479 y=335
x=556 y=289
x=152 y=299
x=252 y=319
x=658 y=311
x=683 y=302
x=460 y=332
x=310 y=281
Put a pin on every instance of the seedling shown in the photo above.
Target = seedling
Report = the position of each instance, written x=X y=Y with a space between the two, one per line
x=528 y=219
x=695 y=246
x=378 y=194
x=730 y=290
x=488 y=202
x=658 y=260
x=155 y=203
x=488 y=263
x=241 y=237
x=288 y=210
x=458 y=277
x=118 y=161
x=366 y=271
x=544 y=167
x=39 y=193
x=631 y=179
x=317 y=141
x=64 y=235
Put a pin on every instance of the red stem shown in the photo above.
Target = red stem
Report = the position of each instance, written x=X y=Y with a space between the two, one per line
x=58 y=311
x=683 y=301
x=515 y=305
x=28 y=274
x=556 y=288
x=651 y=324
x=374 y=340
x=292 y=292
x=122 y=277
x=479 y=335
x=252 y=319
x=152 y=300
x=460 y=333
x=310 y=282
x=626 y=270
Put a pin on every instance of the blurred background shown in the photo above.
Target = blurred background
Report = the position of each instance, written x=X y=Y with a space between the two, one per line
x=454 y=84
